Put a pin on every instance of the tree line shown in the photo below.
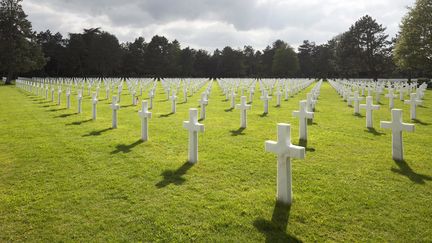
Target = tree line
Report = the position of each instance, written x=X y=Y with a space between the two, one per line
x=363 y=51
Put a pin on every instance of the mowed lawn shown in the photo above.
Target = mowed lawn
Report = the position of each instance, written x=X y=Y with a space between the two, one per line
x=64 y=177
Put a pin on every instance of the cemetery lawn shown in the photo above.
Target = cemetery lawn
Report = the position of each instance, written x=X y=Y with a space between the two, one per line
x=64 y=177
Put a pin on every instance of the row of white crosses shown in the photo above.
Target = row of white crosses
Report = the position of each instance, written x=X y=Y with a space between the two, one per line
x=230 y=87
x=344 y=87
x=396 y=124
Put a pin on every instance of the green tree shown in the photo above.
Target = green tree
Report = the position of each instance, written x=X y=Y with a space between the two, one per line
x=232 y=63
x=363 y=49
x=285 y=62
x=19 y=50
x=305 y=52
x=413 y=49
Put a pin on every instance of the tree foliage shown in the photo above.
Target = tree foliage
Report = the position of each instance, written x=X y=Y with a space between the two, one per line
x=18 y=47
x=413 y=51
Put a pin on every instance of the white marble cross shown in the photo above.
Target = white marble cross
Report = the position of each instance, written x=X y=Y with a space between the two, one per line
x=120 y=88
x=233 y=98
x=151 y=96
x=397 y=127
x=378 y=95
x=402 y=90
x=265 y=98
x=243 y=107
x=52 y=94
x=356 y=98
x=369 y=107
x=94 y=106
x=173 y=99
x=115 y=107
x=391 y=97
x=46 y=92
x=134 y=101
x=303 y=116
x=79 y=101
x=278 y=97
x=193 y=127
x=413 y=102
x=68 y=93
x=185 y=94
x=107 y=92
x=285 y=151
x=145 y=115
x=203 y=103
x=59 y=92
x=310 y=102
x=251 y=94
x=168 y=91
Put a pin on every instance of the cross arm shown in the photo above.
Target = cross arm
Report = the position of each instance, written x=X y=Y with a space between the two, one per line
x=386 y=124
x=408 y=127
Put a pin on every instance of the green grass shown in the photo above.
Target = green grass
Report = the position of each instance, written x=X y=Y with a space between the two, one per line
x=64 y=177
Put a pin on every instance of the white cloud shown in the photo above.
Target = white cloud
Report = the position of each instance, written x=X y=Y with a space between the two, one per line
x=211 y=24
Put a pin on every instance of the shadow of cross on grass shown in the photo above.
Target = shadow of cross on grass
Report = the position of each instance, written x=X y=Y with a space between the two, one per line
x=97 y=133
x=238 y=132
x=304 y=143
x=126 y=148
x=275 y=230
x=174 y=176
x=78 y=122
x=406 y=170
x=374 y=131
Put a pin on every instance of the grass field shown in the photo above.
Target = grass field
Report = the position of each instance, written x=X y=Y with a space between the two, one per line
x=64 y=177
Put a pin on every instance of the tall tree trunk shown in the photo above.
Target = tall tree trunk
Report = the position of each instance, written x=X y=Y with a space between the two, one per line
x=9 y=78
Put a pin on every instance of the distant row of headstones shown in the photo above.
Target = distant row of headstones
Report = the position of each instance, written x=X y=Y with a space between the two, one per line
x=346 y=88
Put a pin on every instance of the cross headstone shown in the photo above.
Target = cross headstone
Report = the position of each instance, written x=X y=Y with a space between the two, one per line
x=185 y=94
x=369 y=106
x=107 y=92
x=303 y=116
x=413 y=102
x=243 y=107
x=115 y=107
x=145 y=115
x=265 y=98
x=79 y=102
x=397 y=127
x=378 y=95
x=356 y=98
x=233 y=98
x=203 y=103
x=251 y=95
x=285 y=151
x=310 y=102
x=151 y=96
x=193 y=127
x=68 y=93
x=94 y=104
x=59 y=92
x=173 y=99
x=402 y=90
x=134 y=101
x=120 y=88
x=278 y=97
x=52 y=94
x=391 y=97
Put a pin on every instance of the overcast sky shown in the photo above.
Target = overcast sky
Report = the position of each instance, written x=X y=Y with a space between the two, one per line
x=211 y=24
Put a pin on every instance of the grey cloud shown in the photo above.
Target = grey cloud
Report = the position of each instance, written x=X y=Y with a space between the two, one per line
x=226 y=22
